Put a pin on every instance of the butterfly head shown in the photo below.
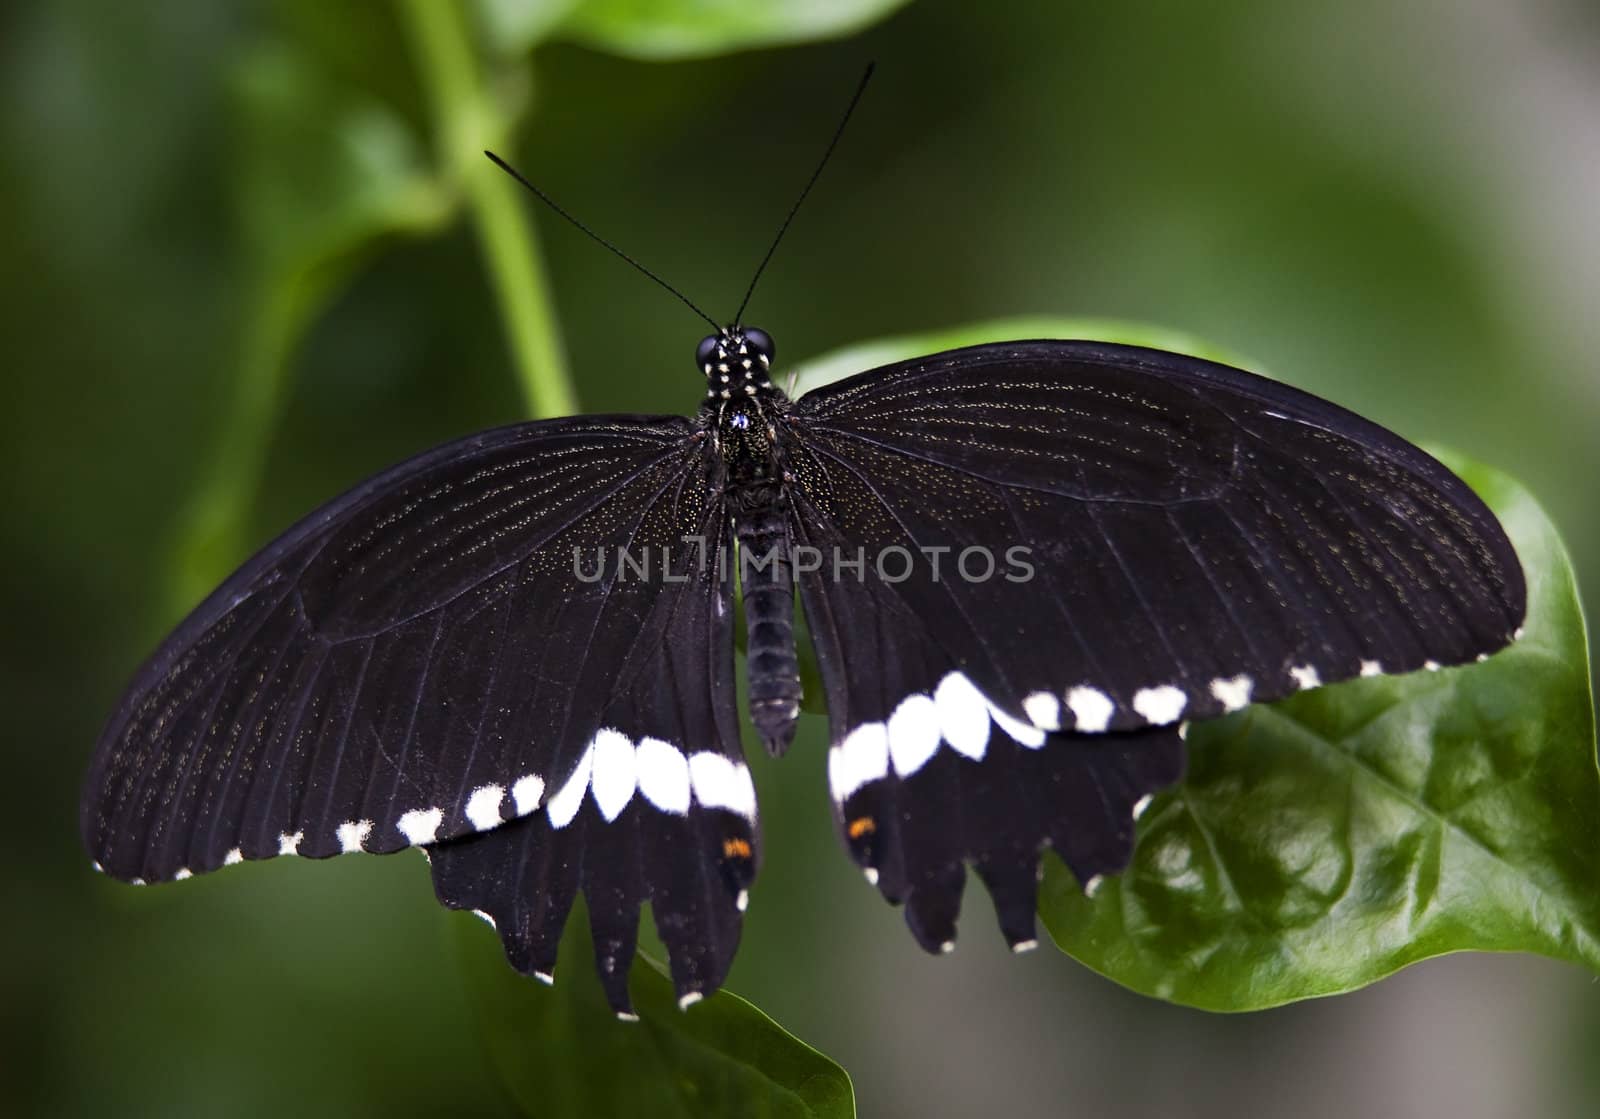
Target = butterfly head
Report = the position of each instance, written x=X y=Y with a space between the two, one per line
x=737 y=362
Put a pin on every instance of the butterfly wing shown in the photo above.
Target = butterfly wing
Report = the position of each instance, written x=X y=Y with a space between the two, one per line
x=1147 y=538
x=449 y=647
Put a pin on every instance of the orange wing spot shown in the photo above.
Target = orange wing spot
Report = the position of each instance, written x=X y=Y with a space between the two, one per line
x=860 y=826
x=735 y=849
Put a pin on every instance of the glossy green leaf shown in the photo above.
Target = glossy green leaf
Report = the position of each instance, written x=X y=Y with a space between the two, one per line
x=661 y=29
x=559 y=1050
x=1326 y=841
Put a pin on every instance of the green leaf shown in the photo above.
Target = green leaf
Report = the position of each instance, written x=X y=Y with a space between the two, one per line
x=325 y=171
x=1324 y=842
x=662 y=29
x=560 y=1051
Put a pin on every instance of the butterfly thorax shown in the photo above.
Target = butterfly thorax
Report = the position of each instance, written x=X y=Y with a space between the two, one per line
x=744 y=411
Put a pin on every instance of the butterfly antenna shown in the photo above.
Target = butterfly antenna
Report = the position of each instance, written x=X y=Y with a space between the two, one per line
x=550 y=202
x=815 y=175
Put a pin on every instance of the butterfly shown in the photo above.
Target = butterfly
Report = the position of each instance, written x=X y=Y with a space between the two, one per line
x=1024 y=568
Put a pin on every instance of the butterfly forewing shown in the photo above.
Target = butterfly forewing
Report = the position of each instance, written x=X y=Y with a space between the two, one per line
x=451 y=646
x=1069 y=546
x=1189 y=527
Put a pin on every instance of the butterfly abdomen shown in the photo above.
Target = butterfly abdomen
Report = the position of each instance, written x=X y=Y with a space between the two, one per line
x=766 y=577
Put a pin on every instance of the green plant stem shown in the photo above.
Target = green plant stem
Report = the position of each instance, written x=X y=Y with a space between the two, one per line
x=467 y=123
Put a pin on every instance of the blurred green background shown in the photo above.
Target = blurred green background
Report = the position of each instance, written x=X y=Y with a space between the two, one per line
x=1388 y=204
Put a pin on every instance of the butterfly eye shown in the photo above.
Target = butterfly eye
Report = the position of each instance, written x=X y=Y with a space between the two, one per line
x=706 y=351
x=760 y=342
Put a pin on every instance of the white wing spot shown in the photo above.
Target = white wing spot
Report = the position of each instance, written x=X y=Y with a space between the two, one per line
x=352 y=834
x=664 y=776
x=1160 y=705
x=870 y=873
x=1024 y=734
x=483 y=806
x=1306 y=676
x=1371 y=668
x=1431 y=666
x=1233 y=694
x=947 y=947
x=914 y=735
x=963 y=715
x=183 y=872
x=485 y=917
x=863 y=756
x=688 y=999
x=545 y=977
x=720 y=783
x=420 y=825
x=1092 y=887
x=234 y=856
x=1022 y=946
x=290 y=844
x=1044 y=710
x=526 y=793
x=565 y=804
x=742 y=902
x=1142 y=805
x=615 y=773
x=1091 y=709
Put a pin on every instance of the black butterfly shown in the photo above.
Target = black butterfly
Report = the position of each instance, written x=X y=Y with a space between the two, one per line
x=1024 y=567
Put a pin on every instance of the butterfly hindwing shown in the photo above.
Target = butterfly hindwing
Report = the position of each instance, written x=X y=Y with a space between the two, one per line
x=447 y=649
x=1072 y=548
x=661 y=808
